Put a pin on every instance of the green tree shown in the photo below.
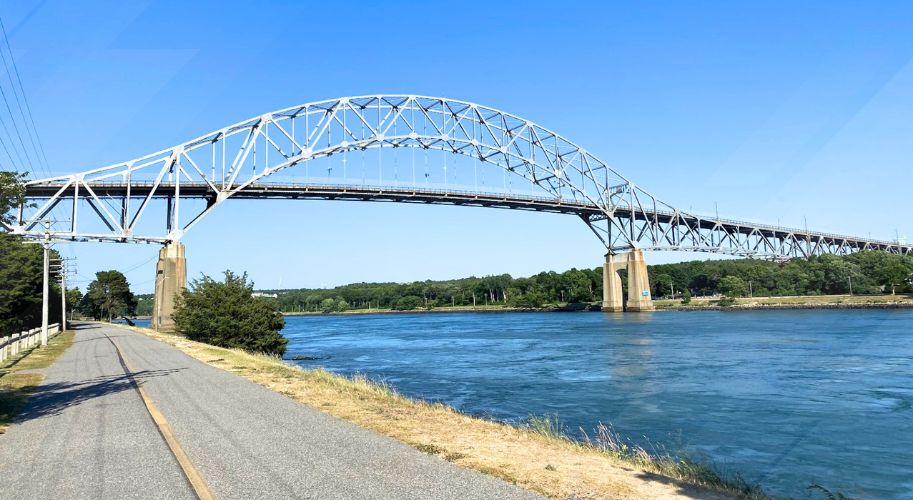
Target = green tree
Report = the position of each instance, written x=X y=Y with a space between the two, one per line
x=11 y=195
x=531 y=299
x=733 y=286
x=579 y=287
x=894 y=273
x=833 y=274
x=223 y=313
x=21 y=282
x=662 y=284
x=145 y=304
x=341 y=305
x=109 y=296
x=74 y=297
x=407 y=303
x=327 y=305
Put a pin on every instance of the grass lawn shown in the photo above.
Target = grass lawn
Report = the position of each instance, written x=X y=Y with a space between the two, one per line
x=18 y=379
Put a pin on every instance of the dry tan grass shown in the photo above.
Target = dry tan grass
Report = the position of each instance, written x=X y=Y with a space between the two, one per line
x=548 y=465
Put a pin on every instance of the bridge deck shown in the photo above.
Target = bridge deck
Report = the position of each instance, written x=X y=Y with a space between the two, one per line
x=404 y=194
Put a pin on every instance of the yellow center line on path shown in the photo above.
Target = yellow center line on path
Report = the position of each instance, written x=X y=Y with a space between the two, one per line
x=190 y=471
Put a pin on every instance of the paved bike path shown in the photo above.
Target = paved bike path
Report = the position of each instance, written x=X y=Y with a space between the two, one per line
x=88 y=434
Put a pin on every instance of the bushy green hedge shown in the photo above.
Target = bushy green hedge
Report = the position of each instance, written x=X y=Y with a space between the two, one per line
x=223 y=313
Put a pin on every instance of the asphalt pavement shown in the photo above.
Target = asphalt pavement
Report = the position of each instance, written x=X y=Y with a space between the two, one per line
x=87 y=433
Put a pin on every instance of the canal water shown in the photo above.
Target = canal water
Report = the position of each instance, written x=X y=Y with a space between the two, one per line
x=785 y=398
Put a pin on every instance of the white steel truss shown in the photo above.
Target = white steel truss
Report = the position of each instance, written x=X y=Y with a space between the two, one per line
x=223 y=164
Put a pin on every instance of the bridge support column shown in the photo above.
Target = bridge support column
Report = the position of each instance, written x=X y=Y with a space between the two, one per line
x=638 y=282
x=612 y=295
x=170 y=280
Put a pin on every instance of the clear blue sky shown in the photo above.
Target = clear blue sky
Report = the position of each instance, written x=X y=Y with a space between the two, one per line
x=772 y=110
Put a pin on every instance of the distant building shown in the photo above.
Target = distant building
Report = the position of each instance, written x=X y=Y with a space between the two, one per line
x=261 y=294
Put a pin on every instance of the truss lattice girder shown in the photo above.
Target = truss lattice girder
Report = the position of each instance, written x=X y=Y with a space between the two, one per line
x=620 y=213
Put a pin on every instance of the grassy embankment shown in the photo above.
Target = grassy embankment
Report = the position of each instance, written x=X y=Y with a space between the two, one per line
x=18 y=379
x=794 y=302
x=538 y=457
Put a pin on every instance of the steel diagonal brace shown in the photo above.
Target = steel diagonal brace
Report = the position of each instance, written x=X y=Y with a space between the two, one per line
x=49 y=205
x=200 y=172
x=388 y=126
x=271 y=142
x=101 y=216
x=166 y=166
x=289 y=137
x=241 y=157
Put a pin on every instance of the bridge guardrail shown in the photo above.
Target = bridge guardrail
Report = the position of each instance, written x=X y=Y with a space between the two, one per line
x=12 y=345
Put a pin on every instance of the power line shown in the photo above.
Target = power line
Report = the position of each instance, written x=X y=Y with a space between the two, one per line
x=40 y=149
x=16 y=128
x=31 y=132
x=134 y=268
x=9 y=136
x=7 y=151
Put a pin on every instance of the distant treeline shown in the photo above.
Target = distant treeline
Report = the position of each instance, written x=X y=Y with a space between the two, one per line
x=864 y=272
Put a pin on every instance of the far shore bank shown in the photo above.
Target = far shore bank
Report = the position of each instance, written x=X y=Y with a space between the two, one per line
x=823 y=302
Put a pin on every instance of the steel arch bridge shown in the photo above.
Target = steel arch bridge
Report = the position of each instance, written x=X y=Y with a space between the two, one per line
x=237 y=162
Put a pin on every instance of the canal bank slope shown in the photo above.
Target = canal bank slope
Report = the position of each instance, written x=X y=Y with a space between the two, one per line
x=542 y=462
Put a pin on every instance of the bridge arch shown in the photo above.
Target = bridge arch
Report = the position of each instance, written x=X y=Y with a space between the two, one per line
x=564 y=171
x=238 y=160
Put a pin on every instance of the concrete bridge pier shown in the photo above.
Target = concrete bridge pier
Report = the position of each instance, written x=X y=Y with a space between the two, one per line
x=612 y=298
x=639 y=298
x=170 y=280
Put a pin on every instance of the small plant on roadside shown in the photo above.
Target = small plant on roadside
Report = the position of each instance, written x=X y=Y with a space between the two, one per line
x=546 y=425
x=428 y=448
x=686 y=297
x=726 y=301
x=608 y=441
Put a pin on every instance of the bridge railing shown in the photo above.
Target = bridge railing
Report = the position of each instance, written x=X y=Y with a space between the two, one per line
x=12 y=345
